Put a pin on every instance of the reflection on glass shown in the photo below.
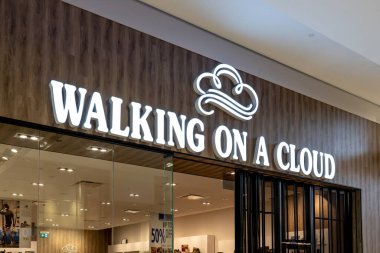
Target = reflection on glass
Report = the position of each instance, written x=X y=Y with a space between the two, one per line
x=300 y=213
x=318 y=235
x=268 y=196
x=326 y=237
x=325 y=203
x=317 y=202
x=290 y=211
x=268 y=231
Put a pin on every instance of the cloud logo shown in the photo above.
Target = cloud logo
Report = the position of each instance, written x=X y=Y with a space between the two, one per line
x=69 y=248
x=216 y=97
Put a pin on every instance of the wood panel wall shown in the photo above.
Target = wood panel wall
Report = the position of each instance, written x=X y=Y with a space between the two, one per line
x=42 y=40
x=85 y=241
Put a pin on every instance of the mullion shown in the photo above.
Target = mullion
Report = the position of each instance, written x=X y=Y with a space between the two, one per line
x=295 y=206
x=329 y=207
x=263 y=214
x=321 y=223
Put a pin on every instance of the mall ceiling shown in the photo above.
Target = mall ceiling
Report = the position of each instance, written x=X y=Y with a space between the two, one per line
x=334 y=41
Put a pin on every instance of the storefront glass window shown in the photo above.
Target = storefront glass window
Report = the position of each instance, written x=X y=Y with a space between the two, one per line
x=70 y=194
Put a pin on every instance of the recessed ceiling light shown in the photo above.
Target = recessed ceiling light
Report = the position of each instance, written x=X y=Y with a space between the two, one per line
x=49 y=220
x=70 y=170
x=100 y=149
x=34 y=138
x=206 y=203
x=21 y=195
x=107 y=223
x=23 y=136
x=132 y=211
x=14 y=194
x=147 y=215
x=91 y=227
x=125 y=219
x=171 y=184
x=134 y=195
x=169 y=165
x=83 y=209
x=62 y=169
x=193 y=197
x=64 y=215
x=55 y=225
x=37 y=184
x=231 y=172
x=14 y=150
x=175 y=210
x=5 y=158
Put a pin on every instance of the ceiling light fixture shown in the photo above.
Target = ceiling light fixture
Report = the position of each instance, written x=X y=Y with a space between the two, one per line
x=83 y=209
x=107 y=223
x=64 y=215
x=98 y=149
x=171 y=184
x=132 y=211
x=68 y=170
x=206 y=203
x=28 y=136
x=125 y=219
x=5 y=158
x=134 y=195
x=17 y=194
x=192 y=197
x=37 y=184
x=91 y=227
x=13 y=150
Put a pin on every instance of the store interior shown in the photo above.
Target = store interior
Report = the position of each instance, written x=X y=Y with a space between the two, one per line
x=60 y=193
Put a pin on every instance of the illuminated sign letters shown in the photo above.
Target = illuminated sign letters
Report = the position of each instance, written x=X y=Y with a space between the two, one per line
x=88 y=111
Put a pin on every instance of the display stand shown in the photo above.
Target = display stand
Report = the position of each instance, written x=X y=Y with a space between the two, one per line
x=205 y=243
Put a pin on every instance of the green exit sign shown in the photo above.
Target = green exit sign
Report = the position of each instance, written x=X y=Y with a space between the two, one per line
x=44 y=234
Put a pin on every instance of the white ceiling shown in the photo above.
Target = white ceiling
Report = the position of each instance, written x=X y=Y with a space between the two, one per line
x=334 y=41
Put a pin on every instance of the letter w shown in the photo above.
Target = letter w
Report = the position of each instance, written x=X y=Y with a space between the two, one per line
x=65 y=104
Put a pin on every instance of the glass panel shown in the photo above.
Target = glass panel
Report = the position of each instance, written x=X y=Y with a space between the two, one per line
x=326 y=238
x=300 y=213
x=317 y=202
x=325 y=204
x=77 y=207
x=341 y=205
x=333 y=204
x=19 y=186
x=334 y=240
x=290 y=211
x=260 y=193
x=268 y=196
x=268 y=232
x=318 y=235
x=261 y=237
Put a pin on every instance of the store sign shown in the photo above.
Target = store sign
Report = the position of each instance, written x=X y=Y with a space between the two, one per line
x=75 y=106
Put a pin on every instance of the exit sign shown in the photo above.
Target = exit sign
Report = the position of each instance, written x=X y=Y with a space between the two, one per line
x=44 y=234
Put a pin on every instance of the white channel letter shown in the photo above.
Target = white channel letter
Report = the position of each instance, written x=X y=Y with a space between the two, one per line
x=159 y=127
x=306 y=167
x=217 y=142
x=292 y=159
x=96 y=111
x=115 y=117
x=239 y=145
x=278 y=155
x=70 y=108
x=176 y=131
x=261 y=154
x=317 y=172
x=139 y=122
x=195 y=141
x=329 y=171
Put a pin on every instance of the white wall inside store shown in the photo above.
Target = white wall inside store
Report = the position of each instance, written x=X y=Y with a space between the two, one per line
x=133 y=233
x=219 y=223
